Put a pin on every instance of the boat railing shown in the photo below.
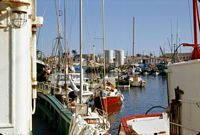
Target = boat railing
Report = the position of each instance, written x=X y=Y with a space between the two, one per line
x=187 y=128
x=104 y=118
x=51 y=110
x=47 y=88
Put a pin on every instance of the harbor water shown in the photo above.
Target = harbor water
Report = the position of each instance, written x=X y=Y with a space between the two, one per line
x=138 y=100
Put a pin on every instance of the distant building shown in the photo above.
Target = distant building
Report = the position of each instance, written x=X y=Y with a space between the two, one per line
x=119 y=57
x=142 y=59
x=184 y=56
x=109 y=55
x=178 y=57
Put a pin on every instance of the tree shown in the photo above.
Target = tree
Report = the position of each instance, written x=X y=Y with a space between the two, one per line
x=74 y=52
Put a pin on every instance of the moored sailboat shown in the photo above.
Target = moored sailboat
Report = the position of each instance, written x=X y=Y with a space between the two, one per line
x=108 y=99
x=106 y=92
x=86 y=120
x=136 y=81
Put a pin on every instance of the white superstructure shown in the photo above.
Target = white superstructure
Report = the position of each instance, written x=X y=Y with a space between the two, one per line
x=18 y=24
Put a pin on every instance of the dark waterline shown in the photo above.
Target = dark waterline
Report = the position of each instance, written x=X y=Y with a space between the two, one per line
x=139 y=100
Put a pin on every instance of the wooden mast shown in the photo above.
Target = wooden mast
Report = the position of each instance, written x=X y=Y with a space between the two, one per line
x=103 y=32
x=133 y=36
x=81 y=41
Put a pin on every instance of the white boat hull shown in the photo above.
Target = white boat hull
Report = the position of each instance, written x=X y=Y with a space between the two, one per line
x=137 y=84
x=137 y=81
x=146 y=124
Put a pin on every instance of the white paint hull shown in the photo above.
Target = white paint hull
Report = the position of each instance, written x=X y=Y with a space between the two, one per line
x=146 y=124
x=186 y=75
x=17 y=66
x=88 y=124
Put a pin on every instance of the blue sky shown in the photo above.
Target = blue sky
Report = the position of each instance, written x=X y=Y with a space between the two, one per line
x=155 y=20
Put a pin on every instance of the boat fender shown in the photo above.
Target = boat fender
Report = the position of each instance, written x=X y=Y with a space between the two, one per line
x=92 y=121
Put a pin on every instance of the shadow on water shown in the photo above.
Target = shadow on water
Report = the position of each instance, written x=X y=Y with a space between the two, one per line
x=139 y=100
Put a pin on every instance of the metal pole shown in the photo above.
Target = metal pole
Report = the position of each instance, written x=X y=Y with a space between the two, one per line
x=133 y=35
x=65 y=42
x=171 y=46
x=103 y=32
x=195 y=23
x=81 y=38
x=65 y=36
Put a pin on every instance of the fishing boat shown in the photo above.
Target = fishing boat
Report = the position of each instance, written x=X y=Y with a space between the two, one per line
x=106 y=93
x=65 y=79
x=72 y=82
x=106 y=96
x=183 y=88
x=76 y=113
x=87 y=120
x=109 y=103
x=136 y=81
x=108 y=99
x=131 y=78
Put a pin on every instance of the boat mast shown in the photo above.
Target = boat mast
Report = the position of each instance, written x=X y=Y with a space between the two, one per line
x=66 y=47
x=103 y=32
x=57 y=50
x=81 y=41
x=133 y=36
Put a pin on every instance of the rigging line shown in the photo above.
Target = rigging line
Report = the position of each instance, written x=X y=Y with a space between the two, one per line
x=56 y=48
x=191 y=33
x=169 y=45
x=53 y=47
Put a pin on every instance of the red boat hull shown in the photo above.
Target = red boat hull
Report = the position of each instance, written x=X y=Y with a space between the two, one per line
x=110 y=104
